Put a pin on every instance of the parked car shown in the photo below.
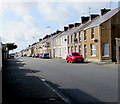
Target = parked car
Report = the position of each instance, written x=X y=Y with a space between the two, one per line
x=40 y=55
x=35 y=55
x=45 y=55
x=29 y=55
x=74 y=57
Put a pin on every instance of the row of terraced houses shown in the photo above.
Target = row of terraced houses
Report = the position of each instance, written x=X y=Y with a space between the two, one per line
x=97 y=38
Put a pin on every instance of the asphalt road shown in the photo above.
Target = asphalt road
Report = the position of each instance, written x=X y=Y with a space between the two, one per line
x=80 y=82
x=21 y=86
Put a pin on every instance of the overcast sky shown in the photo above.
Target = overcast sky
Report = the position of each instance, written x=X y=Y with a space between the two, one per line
x=25 y=22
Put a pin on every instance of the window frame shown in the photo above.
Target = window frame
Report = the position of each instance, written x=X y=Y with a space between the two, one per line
x=85 y=35
x=92 y=33
x=106 y=48
x=80 y=37
x=93 y=50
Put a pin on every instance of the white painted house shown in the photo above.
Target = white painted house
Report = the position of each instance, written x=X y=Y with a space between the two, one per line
x=64 y=49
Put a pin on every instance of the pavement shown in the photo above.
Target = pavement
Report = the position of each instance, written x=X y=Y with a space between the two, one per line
x=22 y=86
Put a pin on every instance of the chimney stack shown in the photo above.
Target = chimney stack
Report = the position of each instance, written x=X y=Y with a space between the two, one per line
x=58 y=31
x=65 y=28
x=84 y=19
x=104 y=11
x=40 y=40
x=70 y=26
x=92 y=16
x=77 y=24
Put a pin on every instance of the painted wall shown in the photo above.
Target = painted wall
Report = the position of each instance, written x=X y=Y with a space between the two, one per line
x=90 y=41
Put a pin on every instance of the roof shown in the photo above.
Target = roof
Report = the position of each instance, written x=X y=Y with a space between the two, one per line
x=103 y=18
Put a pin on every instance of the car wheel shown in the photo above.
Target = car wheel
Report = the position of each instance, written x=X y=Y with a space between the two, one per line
x=67 y=61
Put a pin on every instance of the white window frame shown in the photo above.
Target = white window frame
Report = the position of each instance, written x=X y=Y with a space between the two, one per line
x=93 y=50
x=106 y=49
x=92 y=33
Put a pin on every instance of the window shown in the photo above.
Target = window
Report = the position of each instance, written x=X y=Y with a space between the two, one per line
x=92 y=33
x=75 y=54
x=93 y=50
x=80 y=49
x=71 y=48
x=79 y=37
x=85 y=35
x=72 y=39
x=106 y=49
x=75 y=48
x=68 y=49
x=75 y=37
x=68 y=39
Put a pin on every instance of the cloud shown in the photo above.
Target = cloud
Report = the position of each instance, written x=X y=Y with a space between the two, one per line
x=27 y=21
x=55 y=12
x=20 y=31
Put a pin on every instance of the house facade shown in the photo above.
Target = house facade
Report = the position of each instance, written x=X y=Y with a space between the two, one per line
x=96 y=38
x=99 y=37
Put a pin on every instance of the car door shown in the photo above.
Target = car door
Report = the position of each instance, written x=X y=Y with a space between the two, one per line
x=70 y=57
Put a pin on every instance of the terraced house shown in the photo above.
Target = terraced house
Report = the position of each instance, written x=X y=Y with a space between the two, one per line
x=99 y=37
x=96 y=38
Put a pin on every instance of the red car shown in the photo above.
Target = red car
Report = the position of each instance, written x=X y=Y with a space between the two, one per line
x=74 y=57
x=40 y=55
x=36 y=55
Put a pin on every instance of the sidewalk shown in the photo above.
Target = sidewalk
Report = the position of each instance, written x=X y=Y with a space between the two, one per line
x=21 y=86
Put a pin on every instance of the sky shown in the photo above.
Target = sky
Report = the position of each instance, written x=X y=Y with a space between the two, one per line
x=24 y=22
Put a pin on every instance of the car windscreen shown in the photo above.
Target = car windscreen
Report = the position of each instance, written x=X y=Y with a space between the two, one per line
x=75 y=54
x=46 y=54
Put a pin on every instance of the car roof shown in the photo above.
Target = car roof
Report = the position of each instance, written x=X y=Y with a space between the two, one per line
x=74 y=52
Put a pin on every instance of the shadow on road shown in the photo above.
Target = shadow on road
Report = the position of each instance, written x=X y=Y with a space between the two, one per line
x=21 y=86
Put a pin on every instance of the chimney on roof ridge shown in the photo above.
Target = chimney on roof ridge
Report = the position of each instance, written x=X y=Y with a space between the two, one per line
x=58 y=31
x=92 y=16
x=40 y=40
x=84 y=19
x=77 y=24
x=104 y=11
x=65 y=28
x=70 y=26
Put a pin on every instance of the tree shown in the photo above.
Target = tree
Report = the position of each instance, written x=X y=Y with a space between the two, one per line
x=11 y=46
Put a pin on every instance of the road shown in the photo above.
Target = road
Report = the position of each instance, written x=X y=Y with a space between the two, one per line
x=80 y=82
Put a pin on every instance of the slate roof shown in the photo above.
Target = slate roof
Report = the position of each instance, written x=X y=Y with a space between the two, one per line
x=103 y=18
